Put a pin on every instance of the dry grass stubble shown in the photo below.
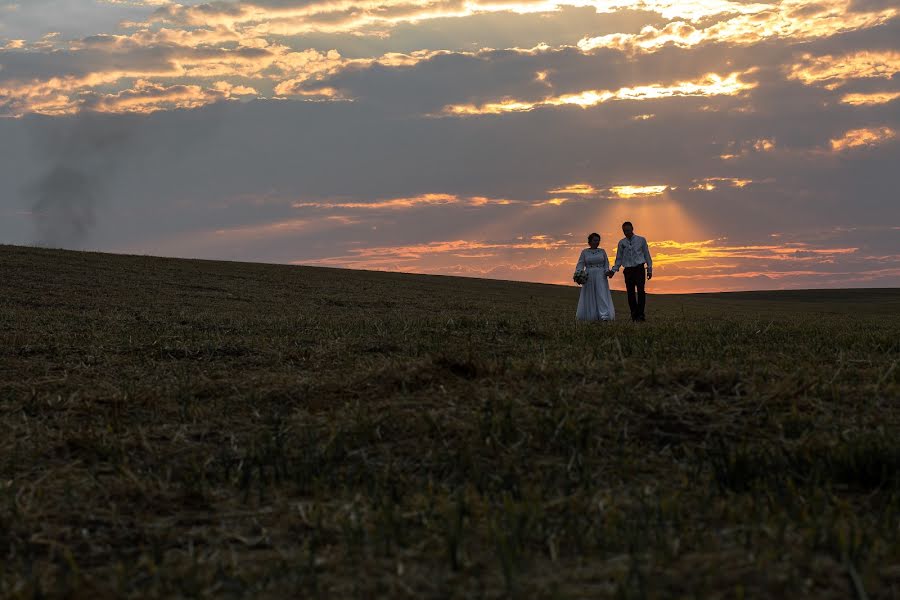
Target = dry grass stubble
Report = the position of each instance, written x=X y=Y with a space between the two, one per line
x=190 y=428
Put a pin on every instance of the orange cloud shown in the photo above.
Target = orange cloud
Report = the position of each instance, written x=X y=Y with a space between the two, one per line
x=672 y=251
x=694 y=21
x=392 y=203
x=575 y=188
x=146 y=97
x=433 y=256
x=741 y=149
x=704 y=265
x=861 y=138
x=484 y=201
x=224 y=40
x=234 y=90
x=351 y=16
x=711 y=183
x=138 y=2
x=634 y=191
x=292 y=88
x=870 y=98
x=710 y=84
x=164 y=36
x=409 y=202
x=302 y=69
x=753 y=23
x=329 y=16
x=833 y=71
x=54 y=96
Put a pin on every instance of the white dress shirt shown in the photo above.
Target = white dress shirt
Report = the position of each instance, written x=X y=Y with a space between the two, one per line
x=633 y=252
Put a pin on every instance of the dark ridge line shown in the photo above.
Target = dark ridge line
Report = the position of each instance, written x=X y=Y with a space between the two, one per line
x=713 y=295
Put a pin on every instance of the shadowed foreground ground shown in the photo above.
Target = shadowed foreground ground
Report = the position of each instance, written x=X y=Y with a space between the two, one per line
x=189 y=428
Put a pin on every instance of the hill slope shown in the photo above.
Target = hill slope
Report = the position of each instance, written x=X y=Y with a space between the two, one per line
x=183 y=428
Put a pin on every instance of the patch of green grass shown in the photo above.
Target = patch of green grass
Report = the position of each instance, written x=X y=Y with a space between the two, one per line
x=190 y=428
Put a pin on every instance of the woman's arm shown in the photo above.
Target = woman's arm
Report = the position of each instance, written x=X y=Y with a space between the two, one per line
x=580 y=265
x=620 y=255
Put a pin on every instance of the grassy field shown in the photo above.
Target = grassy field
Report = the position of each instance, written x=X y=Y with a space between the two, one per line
x=174 y=428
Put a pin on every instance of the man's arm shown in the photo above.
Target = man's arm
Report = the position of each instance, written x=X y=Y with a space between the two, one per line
x=619 y=254
x=648 y=259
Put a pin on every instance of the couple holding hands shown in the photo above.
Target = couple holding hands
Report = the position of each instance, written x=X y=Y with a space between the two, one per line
x=593 y=272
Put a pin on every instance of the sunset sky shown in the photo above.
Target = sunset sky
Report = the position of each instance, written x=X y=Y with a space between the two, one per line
x=755 y=144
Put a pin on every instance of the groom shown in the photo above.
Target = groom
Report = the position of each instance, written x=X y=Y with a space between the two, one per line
x=633 y=252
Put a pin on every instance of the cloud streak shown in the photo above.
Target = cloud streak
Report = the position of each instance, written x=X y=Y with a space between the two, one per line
x=708 y=85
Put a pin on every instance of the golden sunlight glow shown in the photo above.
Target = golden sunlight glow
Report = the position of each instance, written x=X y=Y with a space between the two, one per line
x=685 y=265
x=692 y=21
x=392 y=203
x=632 y=191
x=710 y=84
x=576 y=188
x=869 y=99
x=295 y=73
x=745 y=148
x=795 y=19
x=484 y=201
x=491 y=108
x=147 y=97
x=348 y=15
x=833 y=71
x=288 y=88
x=409 y=202
x=671 y=251
x=250 y=40
x=52 y=96
x=858 y=138
x=711 y=183
x=417 y=250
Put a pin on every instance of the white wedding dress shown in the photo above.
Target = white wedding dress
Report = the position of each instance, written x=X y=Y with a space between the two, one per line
x=595 y=302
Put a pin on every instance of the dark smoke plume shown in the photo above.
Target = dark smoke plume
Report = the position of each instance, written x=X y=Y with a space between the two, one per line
x=87 y=155
x=84 y=154
x=64 y=206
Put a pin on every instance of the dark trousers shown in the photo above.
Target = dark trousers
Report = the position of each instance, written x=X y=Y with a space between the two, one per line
x=635 y=278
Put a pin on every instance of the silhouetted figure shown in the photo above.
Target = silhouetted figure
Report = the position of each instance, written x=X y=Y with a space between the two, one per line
x=632 y=254
x=592 y=274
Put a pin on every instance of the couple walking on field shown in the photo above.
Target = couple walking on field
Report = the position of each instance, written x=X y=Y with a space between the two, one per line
x=593 y=272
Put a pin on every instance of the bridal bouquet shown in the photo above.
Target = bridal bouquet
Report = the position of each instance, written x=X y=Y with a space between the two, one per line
x=580 y=277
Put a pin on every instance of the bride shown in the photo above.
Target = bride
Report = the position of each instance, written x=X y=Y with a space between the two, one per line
x=595 y=302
